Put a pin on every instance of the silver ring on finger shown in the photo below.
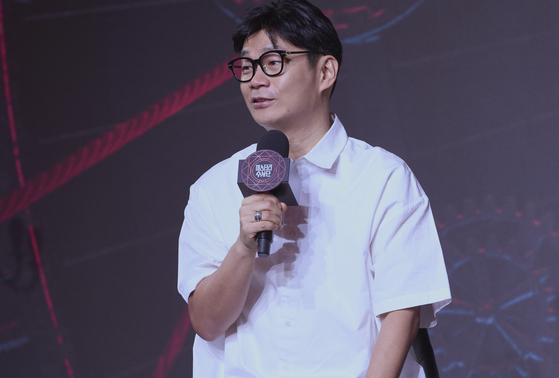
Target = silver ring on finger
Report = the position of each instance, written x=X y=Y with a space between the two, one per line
x=258 y=215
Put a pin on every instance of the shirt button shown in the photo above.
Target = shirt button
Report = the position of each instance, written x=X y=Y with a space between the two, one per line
x=288 y=323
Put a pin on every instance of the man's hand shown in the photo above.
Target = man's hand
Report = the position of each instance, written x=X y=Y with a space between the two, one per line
x=271 y=209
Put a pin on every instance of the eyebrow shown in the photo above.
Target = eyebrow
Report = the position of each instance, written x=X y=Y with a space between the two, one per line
x=274 y=46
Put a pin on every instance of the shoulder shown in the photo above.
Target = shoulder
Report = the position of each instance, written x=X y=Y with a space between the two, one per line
x=373 y=157
x=217 y=191
x=225 y=171
x=380 y=169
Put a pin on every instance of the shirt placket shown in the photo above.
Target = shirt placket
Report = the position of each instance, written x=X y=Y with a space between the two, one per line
x=291 y=299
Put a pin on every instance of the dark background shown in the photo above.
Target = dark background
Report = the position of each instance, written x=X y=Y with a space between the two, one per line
x=466 y=92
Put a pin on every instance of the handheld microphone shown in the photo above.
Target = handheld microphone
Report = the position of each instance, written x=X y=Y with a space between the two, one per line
x=269 y=169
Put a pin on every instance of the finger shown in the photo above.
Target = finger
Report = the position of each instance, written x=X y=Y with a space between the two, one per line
x=273 y=217
x=261 y=199
x=264 y=206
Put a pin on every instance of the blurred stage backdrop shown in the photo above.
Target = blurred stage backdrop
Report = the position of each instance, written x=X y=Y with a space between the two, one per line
x=111 y=109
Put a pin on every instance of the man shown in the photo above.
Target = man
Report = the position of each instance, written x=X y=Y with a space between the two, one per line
x=353 y=271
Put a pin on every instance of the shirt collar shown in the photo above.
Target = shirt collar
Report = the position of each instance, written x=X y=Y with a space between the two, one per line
x=327 y=150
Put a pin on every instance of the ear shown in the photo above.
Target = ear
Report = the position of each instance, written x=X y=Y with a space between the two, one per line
x=328 y=72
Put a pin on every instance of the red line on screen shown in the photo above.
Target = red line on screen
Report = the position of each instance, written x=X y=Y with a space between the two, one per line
x=21 y=180
x=8 y=98
x=10 y=325
x=111 y=141
x=174 y=346
x=362 y=8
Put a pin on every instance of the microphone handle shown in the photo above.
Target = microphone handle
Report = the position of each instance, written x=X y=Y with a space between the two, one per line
x=264 y=240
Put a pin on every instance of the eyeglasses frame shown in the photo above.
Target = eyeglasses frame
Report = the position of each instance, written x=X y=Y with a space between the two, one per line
x=282 y=53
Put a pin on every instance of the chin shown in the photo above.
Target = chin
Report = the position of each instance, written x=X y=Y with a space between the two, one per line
x=265 y=122
x=269 y=126
x=270 y=122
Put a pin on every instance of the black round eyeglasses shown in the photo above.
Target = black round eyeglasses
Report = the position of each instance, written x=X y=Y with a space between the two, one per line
x=271 y=63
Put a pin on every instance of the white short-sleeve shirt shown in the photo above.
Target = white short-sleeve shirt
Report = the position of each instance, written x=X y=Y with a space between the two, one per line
x=362 y=243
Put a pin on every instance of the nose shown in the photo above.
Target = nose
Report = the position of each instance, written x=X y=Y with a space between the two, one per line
x=260 y=78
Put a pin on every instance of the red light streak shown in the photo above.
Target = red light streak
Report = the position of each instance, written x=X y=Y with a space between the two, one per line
x=364 y=8
x=111 y=141
x=174 y=346
x=21 y=180
x=10 y=325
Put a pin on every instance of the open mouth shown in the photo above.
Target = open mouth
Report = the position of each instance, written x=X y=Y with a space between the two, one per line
x=258 y=100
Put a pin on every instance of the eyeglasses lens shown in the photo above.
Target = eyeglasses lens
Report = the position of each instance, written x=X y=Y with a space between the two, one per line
x=270 y=62
x=242 y=68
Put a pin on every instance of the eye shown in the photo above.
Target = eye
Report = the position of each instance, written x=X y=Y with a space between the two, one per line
x=272 y=63
x=246 y=66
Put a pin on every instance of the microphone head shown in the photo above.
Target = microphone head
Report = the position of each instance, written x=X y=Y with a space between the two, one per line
x=274 y=140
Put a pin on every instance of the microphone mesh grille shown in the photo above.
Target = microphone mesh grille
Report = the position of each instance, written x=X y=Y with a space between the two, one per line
x=274 y=140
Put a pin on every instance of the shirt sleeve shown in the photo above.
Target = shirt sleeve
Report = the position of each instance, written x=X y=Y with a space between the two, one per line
x=201 y=247
x=408 y=263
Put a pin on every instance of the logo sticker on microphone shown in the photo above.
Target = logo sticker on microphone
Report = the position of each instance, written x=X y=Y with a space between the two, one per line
x=263 y=170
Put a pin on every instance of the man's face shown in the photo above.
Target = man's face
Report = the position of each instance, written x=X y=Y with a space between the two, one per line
x=284 y=101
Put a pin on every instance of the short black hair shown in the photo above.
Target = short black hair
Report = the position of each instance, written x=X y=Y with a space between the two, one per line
x=296 y=21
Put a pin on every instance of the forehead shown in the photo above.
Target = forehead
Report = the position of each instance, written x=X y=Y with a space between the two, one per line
x=260 y=42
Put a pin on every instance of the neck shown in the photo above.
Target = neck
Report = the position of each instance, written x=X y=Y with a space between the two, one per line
x=305 y=135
